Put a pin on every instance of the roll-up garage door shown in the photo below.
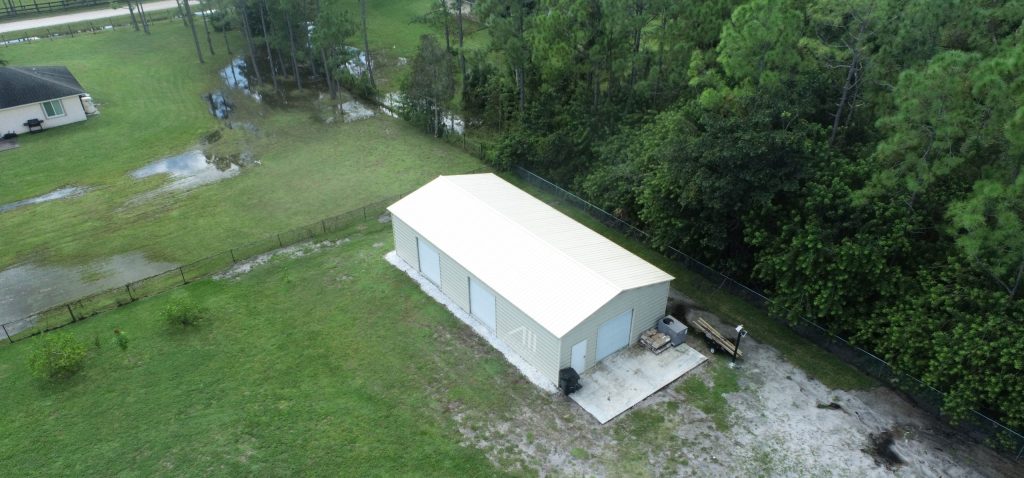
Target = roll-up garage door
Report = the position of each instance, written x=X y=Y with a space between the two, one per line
x=614 y=334
x=481 y=303
x=430 y=261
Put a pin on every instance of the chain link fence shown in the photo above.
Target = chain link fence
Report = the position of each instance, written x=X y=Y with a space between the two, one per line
x=976 y=425
x=85 y=307
x=99 y=25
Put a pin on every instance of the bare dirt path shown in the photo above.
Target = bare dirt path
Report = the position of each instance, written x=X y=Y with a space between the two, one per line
x=780 y=422
x=43 y=22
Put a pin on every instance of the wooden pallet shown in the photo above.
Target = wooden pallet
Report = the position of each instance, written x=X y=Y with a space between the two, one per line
x=655 y=341
x=715 y=336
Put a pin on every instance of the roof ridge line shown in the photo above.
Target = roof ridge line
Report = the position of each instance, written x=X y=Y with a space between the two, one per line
x=43 y=76
x=529 y=232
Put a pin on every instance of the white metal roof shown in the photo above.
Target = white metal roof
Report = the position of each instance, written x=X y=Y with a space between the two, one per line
x=551 y=267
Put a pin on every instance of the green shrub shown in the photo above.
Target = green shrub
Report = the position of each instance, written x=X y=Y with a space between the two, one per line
x=121 y=339
x=184 y=312
x=57 y=356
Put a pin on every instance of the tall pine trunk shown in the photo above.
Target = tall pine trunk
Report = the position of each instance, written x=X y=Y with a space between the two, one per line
x=224 y=32
x=181 y=11
x=291 y=44
x=206 y=27
x=192 y=25
x=248 y=41
x=327 y=74
x=462 y=54
x=366 y=45
x=131 y=11
x=266 y=41
x=142 y=16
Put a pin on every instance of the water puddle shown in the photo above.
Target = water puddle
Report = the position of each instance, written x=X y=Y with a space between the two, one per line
x=219 y=105
x=62 y=193
x=393 y=103
x=234 y=77
x=355 y=111
x=189 y=171
x=19 y=40
x=357 y=65
x=28 y=288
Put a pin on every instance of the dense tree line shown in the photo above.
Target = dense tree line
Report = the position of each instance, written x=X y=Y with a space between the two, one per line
x=860 y=160
x=286 y=41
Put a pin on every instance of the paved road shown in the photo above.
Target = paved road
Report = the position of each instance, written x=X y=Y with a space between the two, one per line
x=82 y=16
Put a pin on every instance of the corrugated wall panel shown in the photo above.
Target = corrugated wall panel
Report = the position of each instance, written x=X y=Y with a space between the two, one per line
x=454 y=281
x=405 y=242
x=533 y=343
x=648 y=304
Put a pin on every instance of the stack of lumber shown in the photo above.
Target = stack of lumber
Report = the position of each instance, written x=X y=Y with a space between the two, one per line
x=715 y=336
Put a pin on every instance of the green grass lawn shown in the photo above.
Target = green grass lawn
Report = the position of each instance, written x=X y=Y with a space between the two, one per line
x=150 y=93
x=812 y=359
x=331 y=364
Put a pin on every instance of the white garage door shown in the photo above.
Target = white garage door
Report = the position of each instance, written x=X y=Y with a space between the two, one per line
x=614 y=334
x=481 y=303
x=430 y=261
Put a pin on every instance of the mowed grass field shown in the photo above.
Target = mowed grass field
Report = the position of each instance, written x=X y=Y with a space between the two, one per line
x=150 y=90
x=331 y=364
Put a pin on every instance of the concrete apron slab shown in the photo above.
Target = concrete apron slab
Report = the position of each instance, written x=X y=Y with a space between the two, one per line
x=618 y=382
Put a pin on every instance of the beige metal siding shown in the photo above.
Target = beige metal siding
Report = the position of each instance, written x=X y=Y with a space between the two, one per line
x=405 y=242
x=531 y=341
x=454 y=281
x=648 y=305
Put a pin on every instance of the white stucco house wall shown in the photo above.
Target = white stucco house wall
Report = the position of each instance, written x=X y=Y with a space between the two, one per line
x=50 y=94
x=555 y=292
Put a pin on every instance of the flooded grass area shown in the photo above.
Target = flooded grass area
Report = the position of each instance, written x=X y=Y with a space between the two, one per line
x=29 y=288
x=154 y=191
x=62 y=193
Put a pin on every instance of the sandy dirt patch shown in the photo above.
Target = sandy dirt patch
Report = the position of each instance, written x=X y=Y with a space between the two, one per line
x=780 y=423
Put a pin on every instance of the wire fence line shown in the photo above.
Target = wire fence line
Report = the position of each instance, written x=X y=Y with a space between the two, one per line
x=98 y=25
x=12 y=10
x=975 y=425
x=82 y=308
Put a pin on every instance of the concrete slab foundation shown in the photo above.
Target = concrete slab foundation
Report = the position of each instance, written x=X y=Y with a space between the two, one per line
x=618 y=382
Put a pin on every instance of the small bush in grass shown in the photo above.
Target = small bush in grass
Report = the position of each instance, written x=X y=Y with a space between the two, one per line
x=121 y=339
x=57 y=356
x=184 y=312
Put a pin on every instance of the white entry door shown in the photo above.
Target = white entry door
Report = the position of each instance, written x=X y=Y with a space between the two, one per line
x=430 y=261
x=481 y=303
x=579 y=356
x=614 y=334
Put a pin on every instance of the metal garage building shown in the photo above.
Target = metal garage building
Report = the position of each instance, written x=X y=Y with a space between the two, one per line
x=554 y=291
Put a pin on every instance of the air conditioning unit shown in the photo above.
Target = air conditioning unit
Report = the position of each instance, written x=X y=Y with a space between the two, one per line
x=673 y=328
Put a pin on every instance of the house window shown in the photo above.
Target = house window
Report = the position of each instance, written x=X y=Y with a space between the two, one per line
x=53 y=108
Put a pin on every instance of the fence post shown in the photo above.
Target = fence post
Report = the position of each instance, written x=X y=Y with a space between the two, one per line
x=323 y=225
x=73 y=319
x=128 y=288
x=279 y=243
x=233 y=260
x=364 y=213
x=182 y=272
x=9 y=339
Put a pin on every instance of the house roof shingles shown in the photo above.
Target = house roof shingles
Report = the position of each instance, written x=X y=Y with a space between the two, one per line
x=23 y=85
